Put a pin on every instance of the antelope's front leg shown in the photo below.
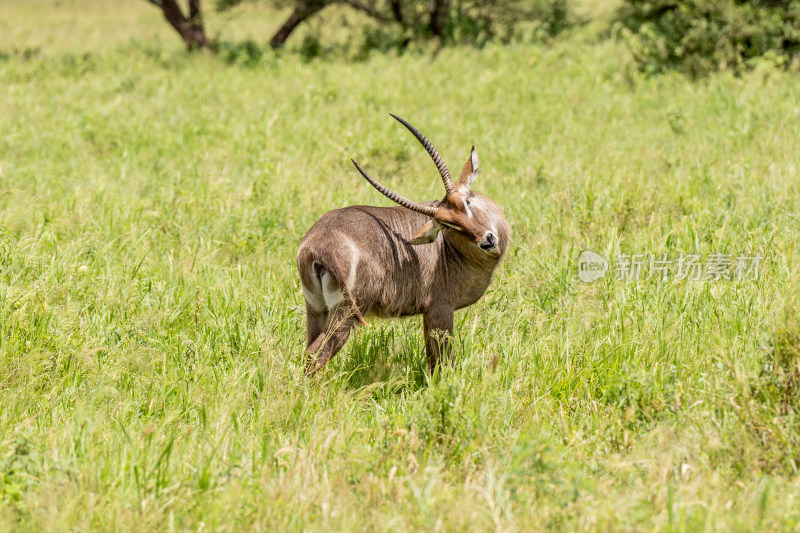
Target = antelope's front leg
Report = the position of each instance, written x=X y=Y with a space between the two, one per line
x=438 y=325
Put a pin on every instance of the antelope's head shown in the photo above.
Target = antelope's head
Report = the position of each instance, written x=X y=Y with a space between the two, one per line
x=472 y=217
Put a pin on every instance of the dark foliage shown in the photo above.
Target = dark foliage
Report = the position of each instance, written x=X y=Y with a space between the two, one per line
x=398 y=22
x=700 y=36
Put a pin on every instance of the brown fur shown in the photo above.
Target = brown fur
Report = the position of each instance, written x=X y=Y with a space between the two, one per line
x=363 y=254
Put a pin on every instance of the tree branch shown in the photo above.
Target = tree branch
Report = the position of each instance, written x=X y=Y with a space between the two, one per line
x=302 y=11
x=194 y=9
x=439 y=11
x=190 y=29
x=397 y=12
x=369 y=10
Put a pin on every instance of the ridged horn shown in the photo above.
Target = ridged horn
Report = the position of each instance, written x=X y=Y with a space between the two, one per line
x=443 y=172
x=396 y=198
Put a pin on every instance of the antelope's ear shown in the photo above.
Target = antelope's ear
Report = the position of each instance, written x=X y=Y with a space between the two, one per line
x=470 y=172
x=427 y=233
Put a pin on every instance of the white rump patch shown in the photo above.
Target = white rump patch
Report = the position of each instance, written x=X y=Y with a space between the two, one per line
x=314 y=299
x=313 y=295
x=331 y=292
x=354 y=258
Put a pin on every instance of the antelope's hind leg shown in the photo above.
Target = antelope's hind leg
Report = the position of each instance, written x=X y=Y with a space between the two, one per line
x=315 y=331
x=340 y=324
x=341 y=316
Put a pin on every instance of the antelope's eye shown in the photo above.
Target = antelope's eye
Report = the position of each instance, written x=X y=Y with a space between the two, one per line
x=468 y=202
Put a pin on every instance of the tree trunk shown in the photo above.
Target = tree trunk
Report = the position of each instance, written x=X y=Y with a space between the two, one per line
x=397 y=12
x=439 y=11
x=302 y=11
x=190 y=29
x=196 y=25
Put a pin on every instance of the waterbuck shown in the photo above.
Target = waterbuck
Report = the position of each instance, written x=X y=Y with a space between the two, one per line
x=421 y=258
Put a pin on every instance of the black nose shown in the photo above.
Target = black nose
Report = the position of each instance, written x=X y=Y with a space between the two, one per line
x=490 y=243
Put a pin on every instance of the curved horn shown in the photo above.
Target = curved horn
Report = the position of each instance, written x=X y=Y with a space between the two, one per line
x=448 y=182
x=396 y=198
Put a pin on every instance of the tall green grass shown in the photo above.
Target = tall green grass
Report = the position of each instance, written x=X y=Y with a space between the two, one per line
x=152 y=323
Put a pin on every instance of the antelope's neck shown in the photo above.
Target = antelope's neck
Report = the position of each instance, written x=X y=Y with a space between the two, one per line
x=467 y=252
x=465 y=260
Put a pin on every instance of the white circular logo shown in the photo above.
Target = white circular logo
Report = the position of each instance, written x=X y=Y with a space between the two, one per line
x=591 y=266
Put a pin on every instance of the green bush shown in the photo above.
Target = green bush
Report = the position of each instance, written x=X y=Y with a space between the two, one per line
x=700 y=36
x=478 y=21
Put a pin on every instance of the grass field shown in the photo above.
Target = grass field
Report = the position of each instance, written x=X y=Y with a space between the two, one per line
x=152 y=323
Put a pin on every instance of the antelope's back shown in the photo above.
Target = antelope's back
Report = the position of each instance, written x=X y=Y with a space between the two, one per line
x=365 y=250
